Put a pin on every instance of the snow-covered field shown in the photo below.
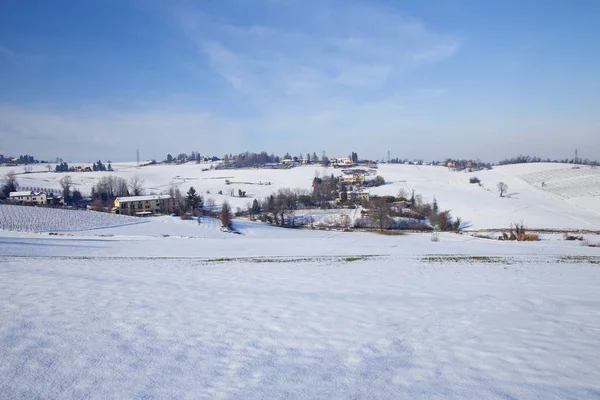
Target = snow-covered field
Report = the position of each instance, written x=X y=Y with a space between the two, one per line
x=569 y=200
x=167 y=308
x=41 y=219
x=279 y=313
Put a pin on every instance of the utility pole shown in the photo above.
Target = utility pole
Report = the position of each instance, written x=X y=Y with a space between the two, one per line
x=138 y=158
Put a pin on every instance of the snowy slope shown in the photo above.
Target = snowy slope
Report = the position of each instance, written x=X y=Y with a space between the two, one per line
x=481 y=207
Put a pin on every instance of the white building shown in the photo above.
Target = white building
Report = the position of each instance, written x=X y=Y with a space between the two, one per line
x=28 y=197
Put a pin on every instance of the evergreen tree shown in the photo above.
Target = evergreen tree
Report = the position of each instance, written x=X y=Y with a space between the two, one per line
x=193 y=199
x=255 y=207
x=343 y=193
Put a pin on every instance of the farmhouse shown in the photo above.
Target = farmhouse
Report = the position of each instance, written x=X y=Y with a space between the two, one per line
x=28 y=198
x=359 y=196
x=143 y=205
x=340 y=161
x=358 y=179
x=355 y=196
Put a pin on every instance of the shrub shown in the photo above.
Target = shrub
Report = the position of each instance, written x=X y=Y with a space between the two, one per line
x=474 y=179
x=528 y=237
x=571 y=237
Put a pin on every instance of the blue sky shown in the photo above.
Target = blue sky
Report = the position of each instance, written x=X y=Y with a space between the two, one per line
x=422 y=79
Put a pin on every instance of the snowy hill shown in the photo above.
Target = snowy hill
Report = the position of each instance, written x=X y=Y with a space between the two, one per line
x=569 y=198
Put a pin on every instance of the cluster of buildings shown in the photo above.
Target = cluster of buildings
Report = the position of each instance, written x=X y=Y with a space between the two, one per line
x=130 y=205
x=355 y=192
x=36 y=198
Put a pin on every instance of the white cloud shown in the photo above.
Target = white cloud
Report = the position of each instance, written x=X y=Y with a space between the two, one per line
x=350 y=43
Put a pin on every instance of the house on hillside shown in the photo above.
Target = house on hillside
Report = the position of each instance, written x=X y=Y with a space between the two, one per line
x=340 y=162
x=355 y=196
x=37 y=198
x=54 y=200
x=353 y=179
x=31 y=198
x=143 y=205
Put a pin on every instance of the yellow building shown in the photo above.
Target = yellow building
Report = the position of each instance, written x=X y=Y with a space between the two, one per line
x=355 y=196
x=143 y=205
x=357 y=179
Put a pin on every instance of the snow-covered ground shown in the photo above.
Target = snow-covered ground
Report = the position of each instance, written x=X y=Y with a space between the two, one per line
x=167 y=308
x=280 y=313
x=568 y=200
x=42 y=219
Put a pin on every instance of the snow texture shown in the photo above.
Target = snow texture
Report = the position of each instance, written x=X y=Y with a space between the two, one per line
x=42 y=219
x=279 y=313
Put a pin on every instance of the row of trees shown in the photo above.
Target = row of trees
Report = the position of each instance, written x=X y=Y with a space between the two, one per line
x=22 y=159
x=183 y=157
x=109 y=188
x=521 y=159
x=97 y=166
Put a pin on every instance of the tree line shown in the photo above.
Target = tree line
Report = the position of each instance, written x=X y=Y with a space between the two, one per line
x=521 y=159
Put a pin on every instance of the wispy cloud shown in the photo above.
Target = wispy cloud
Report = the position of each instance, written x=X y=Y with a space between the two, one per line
x=343 y=44
x=328 y=67
x=9 y=55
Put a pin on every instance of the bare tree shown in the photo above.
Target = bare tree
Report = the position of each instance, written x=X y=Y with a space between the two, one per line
x=225 y=216
x=178 y=200
x=285 y=202
x=136 y=186
x=379 y=212
x=209 y=204
x=502 y=188
x=65 y=183
x=10 y=183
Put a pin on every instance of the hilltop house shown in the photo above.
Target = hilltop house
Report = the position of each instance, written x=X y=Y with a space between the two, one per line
x=143 y=205
x=28 y=198
x=336 y=162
